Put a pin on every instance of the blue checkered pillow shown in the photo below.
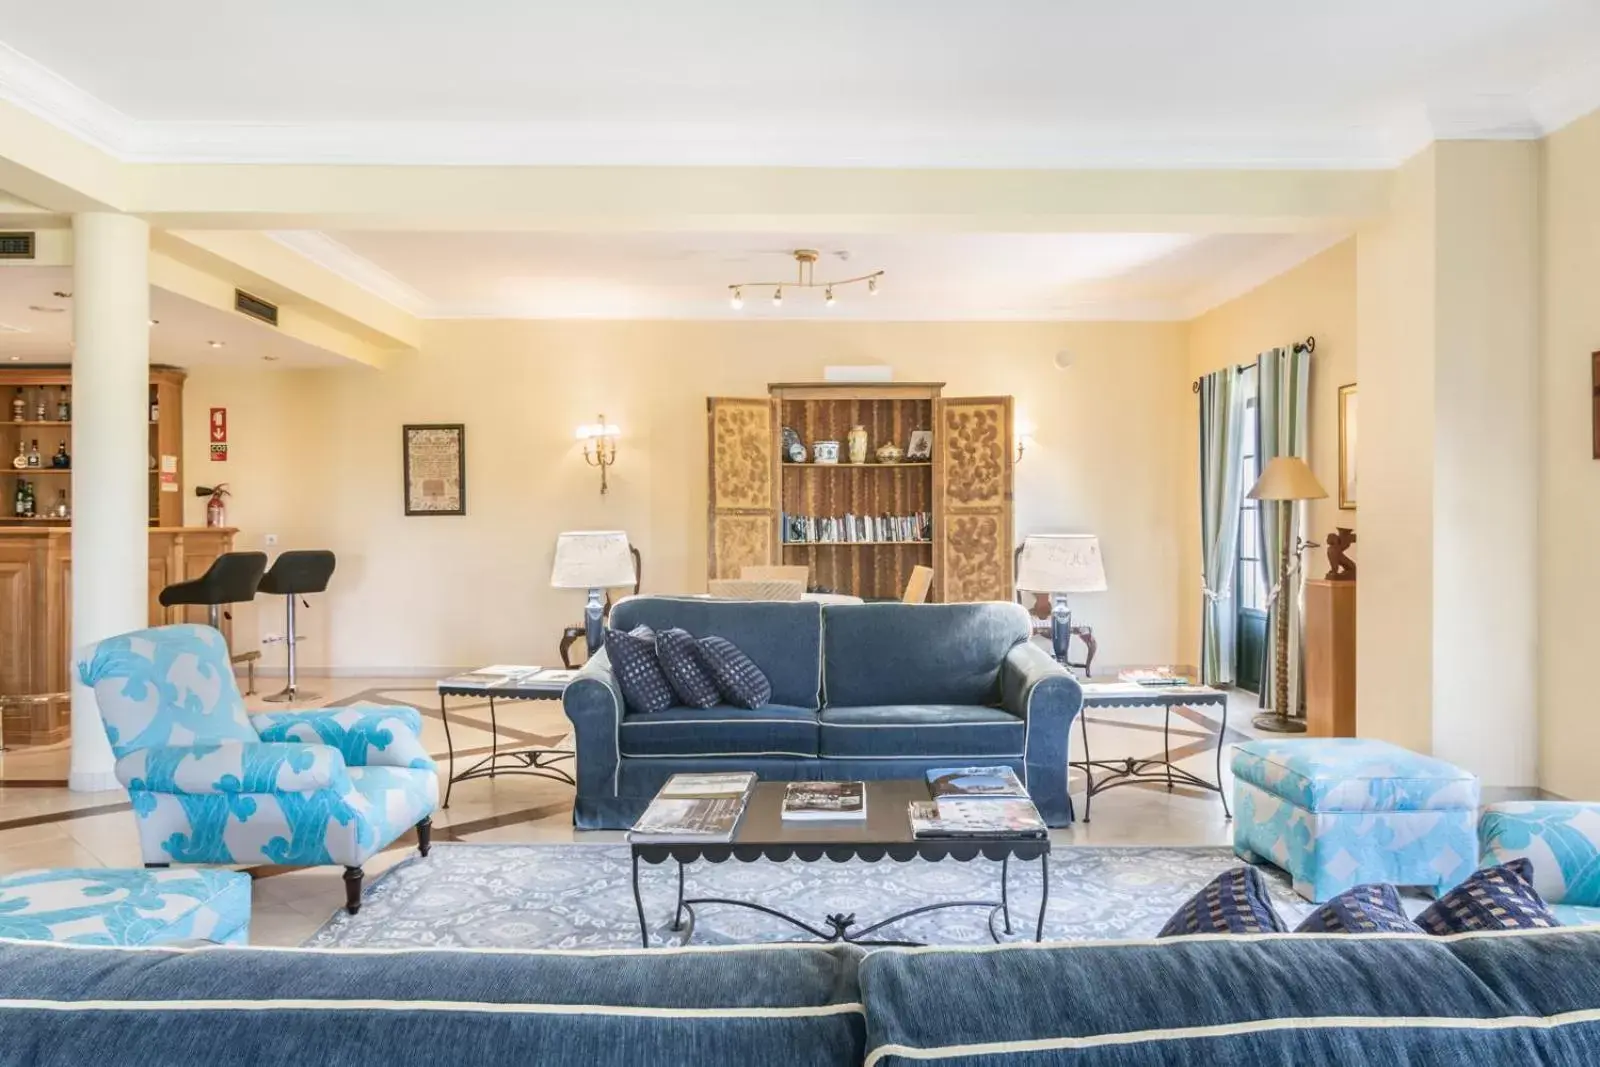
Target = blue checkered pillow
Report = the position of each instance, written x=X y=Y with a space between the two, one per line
x=1236 y=902
x=738 y=679
x=1495 y=898
x=1365 y=909
x=639 y=675
x=678 y=654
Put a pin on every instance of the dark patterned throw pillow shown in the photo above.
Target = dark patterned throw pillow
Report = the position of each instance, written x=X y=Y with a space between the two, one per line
x=677 y=651
x=639 y=675
x=1236 y=902
x=1364 y=909
x=1495 y=898
x=738 y=679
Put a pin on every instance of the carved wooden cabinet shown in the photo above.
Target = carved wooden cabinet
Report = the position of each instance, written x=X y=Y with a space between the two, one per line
x=963 y=487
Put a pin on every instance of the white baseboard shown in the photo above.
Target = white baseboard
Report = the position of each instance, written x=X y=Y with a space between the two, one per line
x=356 y=672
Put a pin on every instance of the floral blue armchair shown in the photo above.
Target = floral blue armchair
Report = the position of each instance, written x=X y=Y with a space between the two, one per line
x=213 y=784
x=1562 y=838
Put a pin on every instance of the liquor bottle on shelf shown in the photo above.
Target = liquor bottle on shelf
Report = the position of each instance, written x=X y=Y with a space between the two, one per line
x=62 y=509
x=19 y=503
x=61 y=460
x=21 y=461
x=38 y=406
x=155 y=406
x=33 y=453
x=64 y=406
x=31 y=502
x=19 y=407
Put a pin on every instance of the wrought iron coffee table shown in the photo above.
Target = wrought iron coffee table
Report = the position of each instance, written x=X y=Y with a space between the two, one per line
x=884 y=833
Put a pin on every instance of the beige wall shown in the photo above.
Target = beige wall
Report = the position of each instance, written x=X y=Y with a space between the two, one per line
x=1569 y=478
x=315 y=458
x=1317 y=299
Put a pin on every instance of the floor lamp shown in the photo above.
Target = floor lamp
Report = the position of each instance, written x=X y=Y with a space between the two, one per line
x=1286 y=481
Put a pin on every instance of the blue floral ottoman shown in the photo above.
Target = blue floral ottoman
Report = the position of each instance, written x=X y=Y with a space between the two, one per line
x=1337 y=812
x=103 y=906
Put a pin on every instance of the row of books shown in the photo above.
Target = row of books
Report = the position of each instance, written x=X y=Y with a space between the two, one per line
x=849 y=529
x=975 y=802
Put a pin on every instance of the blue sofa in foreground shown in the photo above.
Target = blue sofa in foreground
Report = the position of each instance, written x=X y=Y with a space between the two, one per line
x=859 y=691
x=1530 y=997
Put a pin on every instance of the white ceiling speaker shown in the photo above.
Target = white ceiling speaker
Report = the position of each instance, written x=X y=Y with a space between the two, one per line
x=1064 y=359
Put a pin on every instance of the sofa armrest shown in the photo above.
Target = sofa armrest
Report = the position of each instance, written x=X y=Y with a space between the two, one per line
x=1561 y=837
x=1032 y=683
x=593 y=702
x=234 y=767
x=365 y=736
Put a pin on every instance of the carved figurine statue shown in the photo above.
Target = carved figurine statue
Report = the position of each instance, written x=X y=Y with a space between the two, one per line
x=1341 y=567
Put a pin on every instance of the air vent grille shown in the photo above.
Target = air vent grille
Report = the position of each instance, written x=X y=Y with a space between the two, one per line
x=255 y=307
x=16 y=245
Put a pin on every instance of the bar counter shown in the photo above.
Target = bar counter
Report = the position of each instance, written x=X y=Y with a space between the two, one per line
x=36 y=614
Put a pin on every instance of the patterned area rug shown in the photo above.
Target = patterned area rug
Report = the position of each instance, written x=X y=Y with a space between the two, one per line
x=581 y=896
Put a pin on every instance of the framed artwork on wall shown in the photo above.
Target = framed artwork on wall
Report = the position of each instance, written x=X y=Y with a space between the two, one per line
x=435 y=457
x=1347 y=447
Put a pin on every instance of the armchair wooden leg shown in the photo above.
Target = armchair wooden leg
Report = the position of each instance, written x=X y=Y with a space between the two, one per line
x=155 y=866
x=425 y=835
x=352 y=889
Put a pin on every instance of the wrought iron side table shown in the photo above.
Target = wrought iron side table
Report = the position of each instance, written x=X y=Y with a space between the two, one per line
x=884 y=833
x=534 y=761
x=1130 y=771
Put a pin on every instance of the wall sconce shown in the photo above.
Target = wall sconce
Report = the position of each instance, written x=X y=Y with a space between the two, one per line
x=599 y=446
x=1023 y=434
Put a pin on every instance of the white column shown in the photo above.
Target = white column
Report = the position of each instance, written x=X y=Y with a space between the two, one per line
x=110 y=458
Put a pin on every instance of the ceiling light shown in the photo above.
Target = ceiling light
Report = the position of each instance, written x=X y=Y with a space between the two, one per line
x=155 y=322
x=270 y=359
x=214 y=344
x=737 y=300
x=805 y=263
x=14 y=359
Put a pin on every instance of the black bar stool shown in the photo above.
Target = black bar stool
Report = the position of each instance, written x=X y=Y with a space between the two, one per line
x=294 y=574
x=231 y=579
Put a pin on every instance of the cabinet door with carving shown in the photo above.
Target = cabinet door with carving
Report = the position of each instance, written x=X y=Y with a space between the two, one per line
x=742 y=499
x=972 y=450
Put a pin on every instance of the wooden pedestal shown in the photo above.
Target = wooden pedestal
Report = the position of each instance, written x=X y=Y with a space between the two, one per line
x=1330 y=639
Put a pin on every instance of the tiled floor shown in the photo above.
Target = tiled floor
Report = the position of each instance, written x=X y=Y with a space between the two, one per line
x=42 y=824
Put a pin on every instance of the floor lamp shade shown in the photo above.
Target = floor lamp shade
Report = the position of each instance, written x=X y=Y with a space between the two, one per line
x=1287 y=478
x=592 y=560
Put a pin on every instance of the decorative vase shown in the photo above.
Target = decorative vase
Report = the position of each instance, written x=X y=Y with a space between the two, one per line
x=890 y=453
x=857 y=439
x=825 y=452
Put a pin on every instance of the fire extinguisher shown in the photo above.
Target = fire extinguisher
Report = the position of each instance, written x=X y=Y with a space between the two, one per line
x=216 y=510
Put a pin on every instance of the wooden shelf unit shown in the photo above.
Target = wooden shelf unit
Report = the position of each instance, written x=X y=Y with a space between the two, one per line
x=966 y=487
x=47 y=380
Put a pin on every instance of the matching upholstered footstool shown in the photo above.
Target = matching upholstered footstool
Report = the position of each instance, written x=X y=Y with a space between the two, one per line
x=101 y=906
x=1338 y=812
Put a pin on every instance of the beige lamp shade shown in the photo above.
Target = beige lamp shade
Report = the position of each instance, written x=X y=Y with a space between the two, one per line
x=1061 y=563
x=1287 y=478
x=592 y=559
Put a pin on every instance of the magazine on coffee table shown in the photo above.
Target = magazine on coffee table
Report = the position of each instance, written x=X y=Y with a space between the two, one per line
x=999 y=781
x=996 y=817
x=810 y=801
x=706 y=819
x=494 y=676
x=708 y=786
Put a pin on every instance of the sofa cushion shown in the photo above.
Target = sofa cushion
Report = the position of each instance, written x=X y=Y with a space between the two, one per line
x=1495 y=898
x=784 y=639
x=638 y=671
x=1236 y=902
x=878 y=654
x=739 y=680
x=1364 y=909
x=1333 y=774
x=680 y=661
x=956 y=731
x=720 y=730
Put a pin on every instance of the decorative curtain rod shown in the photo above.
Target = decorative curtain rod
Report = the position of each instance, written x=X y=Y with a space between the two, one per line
x=1308 y=346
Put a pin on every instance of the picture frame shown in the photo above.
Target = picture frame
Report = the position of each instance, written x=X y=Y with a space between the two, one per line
x=1347 y=447
x=920 y=448
x=434 y=456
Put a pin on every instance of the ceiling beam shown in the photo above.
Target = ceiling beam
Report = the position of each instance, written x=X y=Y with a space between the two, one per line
x=48 y=167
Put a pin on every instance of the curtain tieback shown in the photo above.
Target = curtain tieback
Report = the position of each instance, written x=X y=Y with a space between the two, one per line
x=1213 y=595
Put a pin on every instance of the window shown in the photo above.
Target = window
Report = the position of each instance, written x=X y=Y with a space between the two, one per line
x=1250 y=579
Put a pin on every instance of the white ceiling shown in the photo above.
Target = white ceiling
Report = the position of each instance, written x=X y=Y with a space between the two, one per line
x=181 y=337
x=837 y=82
x=929 y=276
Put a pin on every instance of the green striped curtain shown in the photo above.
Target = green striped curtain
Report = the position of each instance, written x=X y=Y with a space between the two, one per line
x=1283 y=378
x=1221 y=456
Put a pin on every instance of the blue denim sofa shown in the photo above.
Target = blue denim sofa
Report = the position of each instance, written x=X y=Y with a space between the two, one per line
x=1529 y=997
x=859 y=691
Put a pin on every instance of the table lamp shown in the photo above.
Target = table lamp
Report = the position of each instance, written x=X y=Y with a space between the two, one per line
x=1287 y=480
x=1058 y=564
x=595 y=560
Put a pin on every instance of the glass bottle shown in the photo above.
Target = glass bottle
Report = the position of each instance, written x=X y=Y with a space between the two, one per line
x=155 y=406
x=61 y=460
x=19 y=503
x=32 y=502
x=62 y=510
x=21 y=460
x=64 y=406
x=19 y=407
x=33 y=453
x=38 y=406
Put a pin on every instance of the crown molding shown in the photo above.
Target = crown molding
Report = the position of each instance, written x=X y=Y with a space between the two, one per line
x=339 y=259
x=1566 y=96
x=45 y=94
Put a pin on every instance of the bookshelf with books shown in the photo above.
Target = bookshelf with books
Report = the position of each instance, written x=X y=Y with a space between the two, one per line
x=861 y=528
